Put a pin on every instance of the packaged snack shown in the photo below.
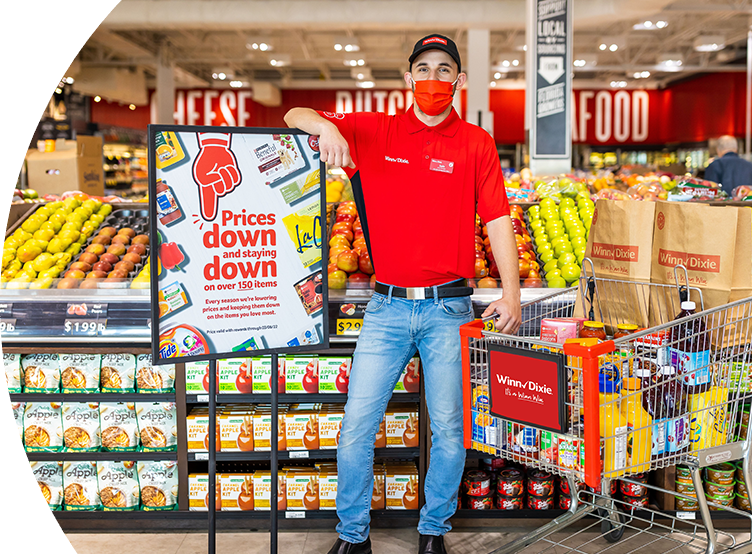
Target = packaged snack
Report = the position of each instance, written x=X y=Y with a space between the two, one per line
x=235 y=376
x=197 y=378
x=198 y=492
x=118 y=486
x=81 y=430
x=11 y=426
x=197 y=431
x=80 y=490
x=334 y=374
x=119 y=425
x=378 y=496
x=172 y=298
x=302 y=489
x=79 y=372
x=402 y=487
x=328 y=487
x=401 y=426
x=49 y=476
x=721 y=474
x=262 y=490
x=410 y=379
x=301 y=374
x=302 y=428
x=236 y=430
x=43 y=427
x=118 y=373
x=310 y=291
x=41 y=372
x=159 y=485
x=262 y=429
x=559 y=329
x=330 y=424
x=236 y=492
x=13 y=375
x=276 y=159
x=157 y=378
x=304 y=228
x=12 y=485
x=261 y=374
x=157 y=426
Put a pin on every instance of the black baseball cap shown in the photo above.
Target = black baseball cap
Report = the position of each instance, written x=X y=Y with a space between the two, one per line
x=436 y=42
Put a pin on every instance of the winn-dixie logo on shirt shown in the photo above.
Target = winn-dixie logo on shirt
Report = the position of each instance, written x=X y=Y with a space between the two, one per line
x=617 y=252
x=693 y=262
x=396 y=160
x=434 y=39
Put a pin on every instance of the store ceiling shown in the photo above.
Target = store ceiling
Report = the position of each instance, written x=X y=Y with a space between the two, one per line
x=206 y=37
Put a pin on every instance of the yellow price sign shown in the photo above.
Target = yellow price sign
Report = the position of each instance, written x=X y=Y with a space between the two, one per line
x=488 y=325
x=349 y=326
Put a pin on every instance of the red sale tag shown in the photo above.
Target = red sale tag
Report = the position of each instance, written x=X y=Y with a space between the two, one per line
x=441 y=165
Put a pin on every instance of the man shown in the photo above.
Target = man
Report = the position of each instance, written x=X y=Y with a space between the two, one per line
x=418 y=179
x=728 y=168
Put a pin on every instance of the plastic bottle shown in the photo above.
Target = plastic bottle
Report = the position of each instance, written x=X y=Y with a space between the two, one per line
x=639 y=427
x=690 y=350
x=652 y=403
x=613 y=428
x=675 y=408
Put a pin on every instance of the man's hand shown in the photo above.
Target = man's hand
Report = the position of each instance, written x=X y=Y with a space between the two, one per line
x=509 y=314
x=334 y=148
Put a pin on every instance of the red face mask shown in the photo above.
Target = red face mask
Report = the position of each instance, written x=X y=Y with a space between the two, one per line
x=433 y=97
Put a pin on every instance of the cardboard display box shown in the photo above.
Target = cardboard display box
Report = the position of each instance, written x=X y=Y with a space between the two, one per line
x=74 y=165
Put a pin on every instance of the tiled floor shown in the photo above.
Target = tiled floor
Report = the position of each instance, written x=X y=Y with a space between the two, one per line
x=396 y=541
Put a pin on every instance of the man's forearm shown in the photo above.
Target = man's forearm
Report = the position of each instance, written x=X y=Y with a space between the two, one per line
x=308 y=121
x=504 y=247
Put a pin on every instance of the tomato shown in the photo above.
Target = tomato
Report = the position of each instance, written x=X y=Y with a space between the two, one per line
x=244 y=381
x=311 y=382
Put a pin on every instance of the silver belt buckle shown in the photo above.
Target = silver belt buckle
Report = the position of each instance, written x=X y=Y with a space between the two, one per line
x=416 y=293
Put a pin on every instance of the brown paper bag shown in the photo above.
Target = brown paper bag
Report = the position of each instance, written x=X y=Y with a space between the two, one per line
x=620 y=245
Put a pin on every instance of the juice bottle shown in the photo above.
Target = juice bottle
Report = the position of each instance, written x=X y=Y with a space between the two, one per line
x=675 y=407
x=690 y=350
x=613 y=428
x=639 y=427
x=652 y=404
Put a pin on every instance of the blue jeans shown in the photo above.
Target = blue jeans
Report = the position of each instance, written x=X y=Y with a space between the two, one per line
x=393 y=329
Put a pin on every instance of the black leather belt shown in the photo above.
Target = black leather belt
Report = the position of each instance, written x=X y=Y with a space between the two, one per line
x=447 y=290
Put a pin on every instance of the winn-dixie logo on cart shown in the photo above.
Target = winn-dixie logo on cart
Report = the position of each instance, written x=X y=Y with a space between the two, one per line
x=693 y=262
x=616 y=252
x=530 y=391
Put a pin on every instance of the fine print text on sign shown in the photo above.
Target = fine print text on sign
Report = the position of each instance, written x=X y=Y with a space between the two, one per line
x=239 y=223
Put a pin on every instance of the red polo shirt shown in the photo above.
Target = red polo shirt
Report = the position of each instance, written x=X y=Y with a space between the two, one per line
x=422 y=187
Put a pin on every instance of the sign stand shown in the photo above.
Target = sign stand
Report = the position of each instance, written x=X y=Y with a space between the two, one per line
x=212 y=456
x=274 y=506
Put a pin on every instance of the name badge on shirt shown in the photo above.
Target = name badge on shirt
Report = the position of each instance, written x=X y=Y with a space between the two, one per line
x=441 y=165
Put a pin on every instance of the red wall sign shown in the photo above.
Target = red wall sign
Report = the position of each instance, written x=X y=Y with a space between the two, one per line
x=528 y=387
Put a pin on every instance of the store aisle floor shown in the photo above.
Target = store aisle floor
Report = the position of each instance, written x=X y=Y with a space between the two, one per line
x=385 y=541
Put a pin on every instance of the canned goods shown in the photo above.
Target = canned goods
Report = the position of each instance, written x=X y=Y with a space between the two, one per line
x=511 y=482
x=540 y=483
x=685 y=505
x=721 y=474
x=741 y=487
x=683 y=473
x=742 y=502
x=637 y=501
x=480 y=502
x=740 y=473
x=719 y=501
x=721 y=491
x=477 y=483
x=540 y=502
x=686 y=488
x=509 y=502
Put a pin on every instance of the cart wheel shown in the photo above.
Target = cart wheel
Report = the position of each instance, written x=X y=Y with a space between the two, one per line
x=611 y=532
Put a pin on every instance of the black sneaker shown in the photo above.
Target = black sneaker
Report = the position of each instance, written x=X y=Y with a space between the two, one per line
x=431 y=544
x=344 y=547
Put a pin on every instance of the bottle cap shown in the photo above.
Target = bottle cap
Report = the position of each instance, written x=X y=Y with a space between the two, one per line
x=632 y=383
x=668 y=370
x=642 y=372
x=593 y=324
x=688 y=305
x=627 y=327
x=608 y=386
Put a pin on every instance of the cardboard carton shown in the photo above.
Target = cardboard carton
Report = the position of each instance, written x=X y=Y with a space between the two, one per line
x=74 y=165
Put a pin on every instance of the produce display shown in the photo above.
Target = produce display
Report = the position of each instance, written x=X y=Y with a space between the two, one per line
x=349 y=262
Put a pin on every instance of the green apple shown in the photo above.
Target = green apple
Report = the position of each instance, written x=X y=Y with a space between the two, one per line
x=570 y=272
x=536 y=224
x=539 y=232
x=546 y=256
x=563 y=248
x=579 y=251
x=559 y=240
x=578 y=241
x=547 y=202
x=553 y=273
x=550 y=266
x=557 y=283
x=568 y=202
x=577 y=231
x=565 y=258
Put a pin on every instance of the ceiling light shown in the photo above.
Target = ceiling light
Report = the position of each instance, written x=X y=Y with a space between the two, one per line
x=579 y=63
x=505 y=63
x=661 y=24
x=221 y=76
x=236 y=84
x=132 y=107
x=497 y=75
x=97 y=98
x=613 y=47
x=603 y=46
x=365 y=84
x=280 y=60
x=361 y=62
x=618 y=84
x=338 y=47
x=524 y=48
x=492 y=83
x=670 y=61
x=710 y=43
x=515 y=63
x=361 y=73
x=264 y=47
x=58 y=90
x=645 y=74
x=519 y=43
x=69 y=80
x=252 y=46
x=637 y=75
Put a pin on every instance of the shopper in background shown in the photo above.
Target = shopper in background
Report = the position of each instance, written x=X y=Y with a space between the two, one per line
x=728 y=168
x=422 y=251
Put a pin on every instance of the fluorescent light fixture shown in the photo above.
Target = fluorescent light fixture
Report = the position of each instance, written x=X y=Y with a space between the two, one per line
x=236 y=84
x=613 y=47
x=348 y=44
x=361 y=73
x=662 y=24
x=69 y=80
x=365 y=84
x=618 y=84
x=585 y=60
x=280 y=60
x=579 y=63
x=670 y=61
x=497 y=75
x=602 y=46
x=515 y=63
x=709 y=43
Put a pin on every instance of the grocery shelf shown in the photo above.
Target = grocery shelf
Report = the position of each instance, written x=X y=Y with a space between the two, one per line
x=507 y=514
x=331 y=454
x=287 y=398
x=477 y=454
x=101 y=456
x=92 y=397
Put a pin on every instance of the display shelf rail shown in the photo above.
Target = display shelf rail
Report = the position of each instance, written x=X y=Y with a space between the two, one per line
x=331 y=454
x=101 y=456
x=288 y=398
x=92 y=397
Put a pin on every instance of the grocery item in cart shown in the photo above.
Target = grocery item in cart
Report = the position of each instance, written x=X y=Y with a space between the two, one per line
x=80 y=489
x=13 y=374
x=708 y=422
x=635 y=486
x=154 y=378
x=119 y=424
x=11 y=426
x=118 y=372
x=43 y=427
x=673 y=405
x=157 y=426
x=81 y=431
x=690 y=349
x=613 y=426
x=49 y=476
x=41 y=372
x=559 y=329
x=12 y=485
x=79 y=372
x=118 y=485
x=624 y=330
x=639 y=427
x=159 y=485
x=593 y=330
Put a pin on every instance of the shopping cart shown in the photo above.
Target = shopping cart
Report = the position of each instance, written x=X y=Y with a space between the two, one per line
x=692 y=416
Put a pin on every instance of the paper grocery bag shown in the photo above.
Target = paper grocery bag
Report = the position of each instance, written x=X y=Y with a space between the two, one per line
x=619 y=246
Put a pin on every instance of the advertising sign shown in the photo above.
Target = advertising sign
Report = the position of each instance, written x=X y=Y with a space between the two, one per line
x=528 y=387
x=238 y=219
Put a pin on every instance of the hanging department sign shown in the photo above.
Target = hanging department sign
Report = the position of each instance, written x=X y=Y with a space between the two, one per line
x=237 y=223
x=550 y=80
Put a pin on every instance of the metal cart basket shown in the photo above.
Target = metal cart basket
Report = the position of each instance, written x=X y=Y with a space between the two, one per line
x=671 y=393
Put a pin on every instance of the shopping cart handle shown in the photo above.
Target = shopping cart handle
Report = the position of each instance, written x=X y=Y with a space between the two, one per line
x=473 y=330
x=577 y=349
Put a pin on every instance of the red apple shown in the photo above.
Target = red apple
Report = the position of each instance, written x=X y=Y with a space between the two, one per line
x=532 y=283
x=137 y=248
x=358 y=281
x=344 y=232
x=337 y=279
x=480 y=268
x=109 y=258
x=348 y=261
x=493 y=271
x=364 y=263
x=102 y=266
x=347 y=218
x=132 y=257
x=480 y=254
x=125 y=266
x=140 y=239
x=89 y=258
x=343 y=225
x=331 y=267
x=524 y=268
x=117 y=274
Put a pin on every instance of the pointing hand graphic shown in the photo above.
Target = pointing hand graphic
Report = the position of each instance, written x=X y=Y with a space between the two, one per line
x=215 y=171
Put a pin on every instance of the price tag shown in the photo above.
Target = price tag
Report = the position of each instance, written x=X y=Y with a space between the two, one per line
x=202 y=398
x=686 y=515
x=84 y=327
x=349 y=326
x=7 y=325
x=6 y=310
x=85 y=309
x=202 y=456
x=488 y=325
x=294 y=515
x=298 y=454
